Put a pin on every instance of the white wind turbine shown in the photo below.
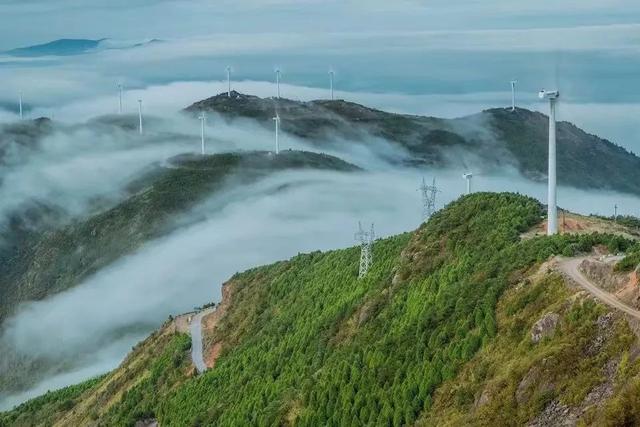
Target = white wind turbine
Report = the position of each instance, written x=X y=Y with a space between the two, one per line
x=120 y=98
x=229 y=81
x=20 y=104
x=140 y=116
x=276 y=119
x=331 y=74
x=552 y=209
x=203 y=119
x=278 y=82
x=468 y=177
x=513 y=94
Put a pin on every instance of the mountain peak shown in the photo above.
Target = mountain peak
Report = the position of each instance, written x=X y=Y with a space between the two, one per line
x=492 y=138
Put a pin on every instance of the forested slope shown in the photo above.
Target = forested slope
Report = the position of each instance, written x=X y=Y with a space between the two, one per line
x=42 y=264
x=48 y=262
x=305 y=342
x=487 y=141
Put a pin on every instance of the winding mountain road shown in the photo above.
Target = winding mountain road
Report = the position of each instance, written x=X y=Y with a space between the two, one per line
x=570 y=268
x=196 y=340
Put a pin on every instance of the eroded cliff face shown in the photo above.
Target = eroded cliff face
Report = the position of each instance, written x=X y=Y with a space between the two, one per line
x=623 y=285
x=213 y=340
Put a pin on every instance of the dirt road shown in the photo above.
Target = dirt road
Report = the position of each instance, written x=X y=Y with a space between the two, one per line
x=570 y=268
x=196 y=340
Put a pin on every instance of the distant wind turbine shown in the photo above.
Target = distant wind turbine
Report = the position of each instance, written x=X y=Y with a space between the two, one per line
x=331 y=73
x=513 y=94
x=276 y=119
x=202 y=123
x=140 y=116
x=20 y=104
x=229 y=81
x=468 y=177
x=278 y=81
x=119 y=98
x=552 y=209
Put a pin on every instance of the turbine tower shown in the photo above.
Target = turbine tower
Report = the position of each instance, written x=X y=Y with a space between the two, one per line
x=513 y=94
x=468 y=177
x=428 y=199
x=278 y=81
x=276 y=119
x=366 y=239
x=331 y=73
x=119 y=98
x=203 y=119
x=140 y=116
x=20 y=104
x=229 y=81
x=552 y=209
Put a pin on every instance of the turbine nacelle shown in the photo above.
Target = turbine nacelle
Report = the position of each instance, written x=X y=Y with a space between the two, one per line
x=468 y=175
x=548 y=94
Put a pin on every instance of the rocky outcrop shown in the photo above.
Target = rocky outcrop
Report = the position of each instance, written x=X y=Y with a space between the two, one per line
x=601 y=273
x=544 y=327
x=557 y=414
x=623 y=285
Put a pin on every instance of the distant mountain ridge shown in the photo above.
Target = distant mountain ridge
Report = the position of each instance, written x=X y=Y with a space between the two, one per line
x=496 y=137
x=70 y=47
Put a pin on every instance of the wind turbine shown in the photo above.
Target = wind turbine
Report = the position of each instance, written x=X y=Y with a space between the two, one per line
x=140 y=116
x=278 y=81
x=513 y=94
x=120 y=98
x=229 y=81
x=276 y=119
x=20 y=104
x=552 y=209
x=468 y=177
x=203 y=119
x=331 y=73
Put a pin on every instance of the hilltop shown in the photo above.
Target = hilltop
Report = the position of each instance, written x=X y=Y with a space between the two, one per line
x=48 y=262
x=443 y=330
x=495 y=138
x=40 y=263
x=71 y=47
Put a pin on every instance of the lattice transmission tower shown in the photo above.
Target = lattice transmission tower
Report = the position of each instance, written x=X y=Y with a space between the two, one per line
x=428 y=199
x=366 y=239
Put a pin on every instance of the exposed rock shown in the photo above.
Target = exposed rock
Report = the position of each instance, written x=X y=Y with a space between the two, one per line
x=147 y=422
x=523 y=391
x=602 y=274
x=555 y=414
x=484 y=398
x=603 y=391
x=544 y=327
x=604 y=324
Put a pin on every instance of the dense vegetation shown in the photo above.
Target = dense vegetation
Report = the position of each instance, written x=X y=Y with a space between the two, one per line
x=496 y=137
x=41 y=264
x=46 y=263
x=631 y=259
x=512 y=380
x=305 y=342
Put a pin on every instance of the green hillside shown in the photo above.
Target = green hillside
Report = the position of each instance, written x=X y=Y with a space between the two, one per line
x=40 y=264
x=444 y=311
x=496 y=138
x=50 y=262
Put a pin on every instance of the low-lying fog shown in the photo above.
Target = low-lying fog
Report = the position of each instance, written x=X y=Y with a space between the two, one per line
x=93 y=325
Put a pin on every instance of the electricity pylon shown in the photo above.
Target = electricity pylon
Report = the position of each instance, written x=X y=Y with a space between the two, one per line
x=366 y=239
x=428 y=199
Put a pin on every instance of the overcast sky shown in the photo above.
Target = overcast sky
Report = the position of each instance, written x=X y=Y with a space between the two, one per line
x=439 y=57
